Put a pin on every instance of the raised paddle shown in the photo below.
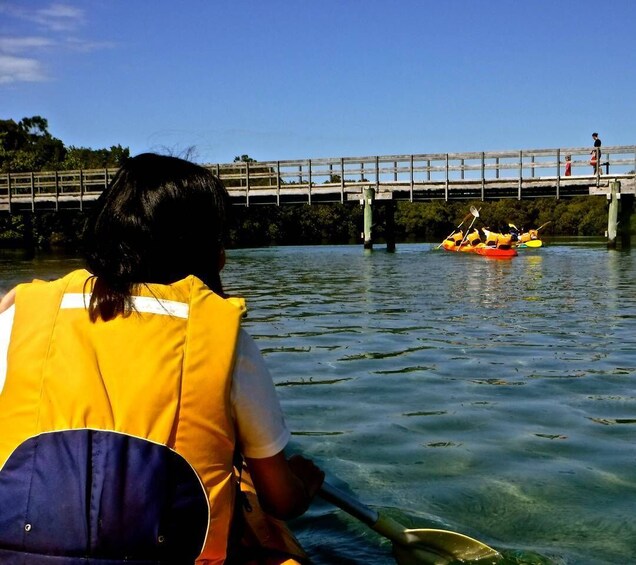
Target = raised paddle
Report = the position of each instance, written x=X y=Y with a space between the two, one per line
x=475 y=213
x=414 y=546
x=459 y=226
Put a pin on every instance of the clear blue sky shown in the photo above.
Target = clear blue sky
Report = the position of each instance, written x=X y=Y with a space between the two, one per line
x=293 y=79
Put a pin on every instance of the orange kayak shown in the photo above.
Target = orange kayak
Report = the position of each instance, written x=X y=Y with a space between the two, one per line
x=496 y=252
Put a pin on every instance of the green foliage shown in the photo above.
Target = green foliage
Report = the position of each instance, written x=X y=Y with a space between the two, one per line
x=418 y=221
x=582 y=215
x=44 y=229
x=301 y=224
x=244 y=159
x=28 y=146
x=84 y=158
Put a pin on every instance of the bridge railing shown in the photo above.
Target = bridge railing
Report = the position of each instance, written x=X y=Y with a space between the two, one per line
x=344 y=177
x=426 y=167
x=53 y=186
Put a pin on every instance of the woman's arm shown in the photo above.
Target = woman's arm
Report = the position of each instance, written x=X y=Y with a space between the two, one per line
x=285 y=487
x=7 y=300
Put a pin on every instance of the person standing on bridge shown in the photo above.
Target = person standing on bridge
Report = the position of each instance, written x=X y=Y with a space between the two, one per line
x=131 y=394
x=595 y=161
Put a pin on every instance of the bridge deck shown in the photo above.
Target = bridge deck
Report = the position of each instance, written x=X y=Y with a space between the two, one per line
x=451 y=176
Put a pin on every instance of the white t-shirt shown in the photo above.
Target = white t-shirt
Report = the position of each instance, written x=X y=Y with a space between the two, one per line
x=261 y=428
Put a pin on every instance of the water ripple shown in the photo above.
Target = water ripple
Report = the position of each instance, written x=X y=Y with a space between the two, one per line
x=491 y=398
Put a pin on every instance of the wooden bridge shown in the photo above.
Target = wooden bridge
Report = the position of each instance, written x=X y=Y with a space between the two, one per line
x=489 y=175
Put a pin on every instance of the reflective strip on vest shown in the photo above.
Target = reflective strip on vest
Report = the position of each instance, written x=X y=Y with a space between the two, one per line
x=141 y=304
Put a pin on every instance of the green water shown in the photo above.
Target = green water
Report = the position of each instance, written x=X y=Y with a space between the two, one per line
x=494 y=398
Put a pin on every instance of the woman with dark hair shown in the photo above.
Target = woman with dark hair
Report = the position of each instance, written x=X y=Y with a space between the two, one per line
x=131 y=395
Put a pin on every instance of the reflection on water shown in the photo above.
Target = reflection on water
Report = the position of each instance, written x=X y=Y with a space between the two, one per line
x=494 y=398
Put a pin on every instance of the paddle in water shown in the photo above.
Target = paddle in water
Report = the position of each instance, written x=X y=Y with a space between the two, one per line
x=414 y=546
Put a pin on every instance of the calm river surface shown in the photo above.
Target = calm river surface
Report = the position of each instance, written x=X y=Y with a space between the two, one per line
x=494 y=398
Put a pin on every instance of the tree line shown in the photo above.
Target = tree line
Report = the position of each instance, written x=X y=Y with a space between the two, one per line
x=27 y=145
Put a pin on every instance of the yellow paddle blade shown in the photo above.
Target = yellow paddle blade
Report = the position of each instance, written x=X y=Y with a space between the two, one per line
x=413 y=555
x=433 y=546
x=415 y=546
x=451 y=546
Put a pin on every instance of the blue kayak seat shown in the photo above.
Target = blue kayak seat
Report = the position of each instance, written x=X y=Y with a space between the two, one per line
x=99 y=497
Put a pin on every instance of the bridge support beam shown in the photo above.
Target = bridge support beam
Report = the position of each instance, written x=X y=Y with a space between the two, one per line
x=612 y=213
x=368 y=198
x=619 y=216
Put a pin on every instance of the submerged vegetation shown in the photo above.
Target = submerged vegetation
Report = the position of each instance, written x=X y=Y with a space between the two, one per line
x=27 y=145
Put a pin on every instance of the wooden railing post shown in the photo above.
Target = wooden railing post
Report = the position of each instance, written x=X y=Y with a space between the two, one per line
x=9 y=190
x=57 y=191
x=412 y=179
x=520 y=174
x=446 y=186
x=558 y=183
x=32 y=192
x=81 y=189
x=247 y=183
x=483 y=176
x=278 y=183
x=377 y=174
x=342 y=179
x=309 y=188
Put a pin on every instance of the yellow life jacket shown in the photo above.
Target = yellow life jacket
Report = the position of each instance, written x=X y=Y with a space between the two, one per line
x=491 y=238
x=504 y=241
x=122 y=430
x=527 y=236
x=456 y=238
x=473 y=238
